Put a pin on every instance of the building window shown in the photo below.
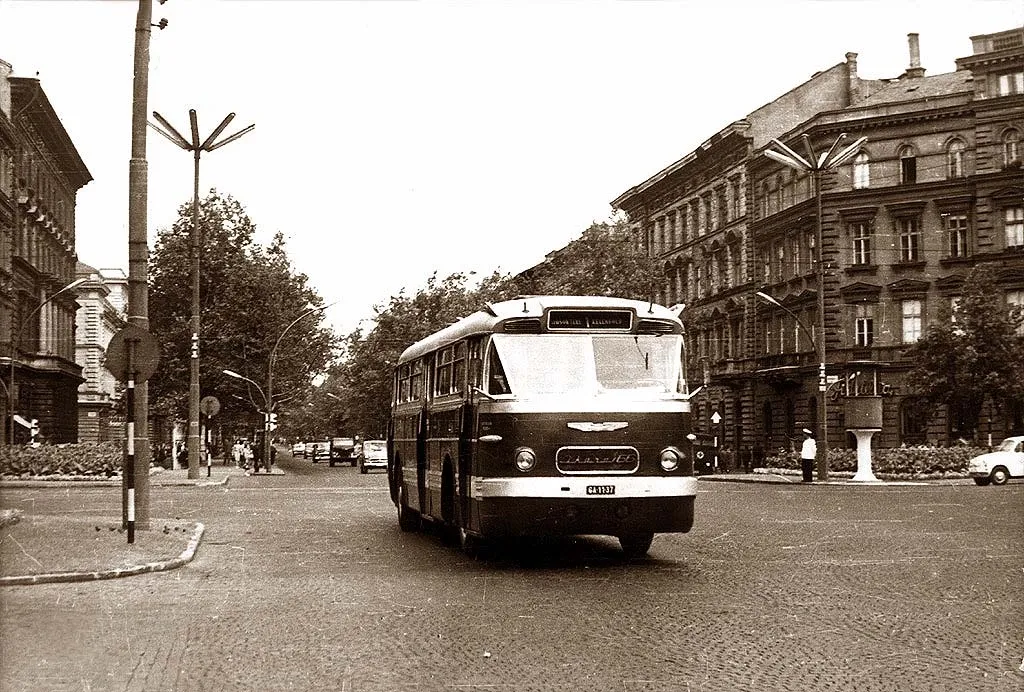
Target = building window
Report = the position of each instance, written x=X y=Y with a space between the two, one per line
x=865 y=325
x=1014 y=224
x=1011 y=148
x=861 y=171
x=912 y=422
x=861 y=232
x=957 y=233
x=911 y=321
x=723 y=207
x=910 y=239
x=908 y=165
x=1010 y=83
x=955 y=159
x=1015 y=301
x=736 y=199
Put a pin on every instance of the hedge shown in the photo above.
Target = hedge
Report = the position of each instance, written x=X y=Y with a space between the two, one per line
x=900 y=462
x=102 y=459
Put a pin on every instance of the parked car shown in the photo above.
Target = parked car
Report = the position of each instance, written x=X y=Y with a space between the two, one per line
x=299 y=448
x=343 y=449
x=374 y=456
x=319 y=450
x=997 y=467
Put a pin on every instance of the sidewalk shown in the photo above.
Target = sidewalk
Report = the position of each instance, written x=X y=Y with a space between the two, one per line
x=781 y=477
x=40 y=549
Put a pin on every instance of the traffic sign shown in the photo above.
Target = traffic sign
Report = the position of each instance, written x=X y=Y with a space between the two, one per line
x=209 y=406
x=145 y=356
x=716 y=418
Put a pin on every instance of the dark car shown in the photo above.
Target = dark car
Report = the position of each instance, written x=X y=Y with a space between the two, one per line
x=343 y=450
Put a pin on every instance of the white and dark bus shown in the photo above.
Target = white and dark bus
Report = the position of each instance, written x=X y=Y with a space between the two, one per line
x=546 y=416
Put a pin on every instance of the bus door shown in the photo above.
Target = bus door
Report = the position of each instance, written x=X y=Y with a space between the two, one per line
x=421 y=461
x=467 y=433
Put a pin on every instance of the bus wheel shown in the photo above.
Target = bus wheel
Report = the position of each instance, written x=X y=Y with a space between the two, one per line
x=636 y=545
x=408 y=518
x=471 y=545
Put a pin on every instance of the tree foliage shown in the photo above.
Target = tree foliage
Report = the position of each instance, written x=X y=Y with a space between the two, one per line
x=249 y=294
x=971 y=353
x=363 y=378
x=606 y=260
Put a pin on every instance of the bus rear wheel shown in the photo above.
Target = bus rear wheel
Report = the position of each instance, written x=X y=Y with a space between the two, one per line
x=408 y=518
x=636 y=545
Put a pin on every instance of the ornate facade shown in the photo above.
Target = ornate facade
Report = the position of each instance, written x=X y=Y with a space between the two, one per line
x=935 y=189
x=40 y=175
x=103 y=297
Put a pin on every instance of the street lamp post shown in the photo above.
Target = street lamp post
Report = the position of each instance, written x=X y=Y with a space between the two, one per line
x=816 y=165
x=16 y=339
x=196 y=148
x=268 y=392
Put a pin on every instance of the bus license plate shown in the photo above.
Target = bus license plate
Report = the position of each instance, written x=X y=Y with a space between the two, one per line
x=600 y=490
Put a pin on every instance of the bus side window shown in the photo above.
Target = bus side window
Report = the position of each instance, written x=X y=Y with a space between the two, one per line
x=497 y=383
x=476 y=364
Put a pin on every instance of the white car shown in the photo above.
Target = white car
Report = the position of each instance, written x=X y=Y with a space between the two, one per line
x=298 y=448
x=1007 y=461
x=374 y=456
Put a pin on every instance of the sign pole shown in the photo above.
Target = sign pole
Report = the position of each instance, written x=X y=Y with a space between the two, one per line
x=128 y=472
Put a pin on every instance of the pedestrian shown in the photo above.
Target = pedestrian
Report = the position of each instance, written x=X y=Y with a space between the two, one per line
x=236 y=453
x=808 y=451
x=246 y=455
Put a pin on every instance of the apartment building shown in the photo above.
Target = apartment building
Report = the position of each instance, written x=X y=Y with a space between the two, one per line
x=935 y=188
x=103 y=297
x=40 y=175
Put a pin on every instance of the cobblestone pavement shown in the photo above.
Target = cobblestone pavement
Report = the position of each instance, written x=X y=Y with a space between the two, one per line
x=304 y=582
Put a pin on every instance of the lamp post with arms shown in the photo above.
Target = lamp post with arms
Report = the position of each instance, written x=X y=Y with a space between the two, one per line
x=816 y=165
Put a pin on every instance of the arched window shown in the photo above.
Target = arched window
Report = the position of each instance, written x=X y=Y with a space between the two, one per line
x=861 y=171
x=1011 y=148
x=908 y=165
x=955 y=159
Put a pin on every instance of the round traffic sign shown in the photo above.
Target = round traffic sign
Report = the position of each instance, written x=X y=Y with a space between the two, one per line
x=145 y=353
x=209 y=406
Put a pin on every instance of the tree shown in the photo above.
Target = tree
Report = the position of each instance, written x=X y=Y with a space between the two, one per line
x=604 y=261
x=248 y=295
x=363 y=377
x=971 y=353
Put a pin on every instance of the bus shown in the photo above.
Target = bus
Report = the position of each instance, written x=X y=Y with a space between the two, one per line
x=546 y=416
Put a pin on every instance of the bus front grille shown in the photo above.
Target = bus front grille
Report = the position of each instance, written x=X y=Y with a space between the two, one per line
x=593 y=460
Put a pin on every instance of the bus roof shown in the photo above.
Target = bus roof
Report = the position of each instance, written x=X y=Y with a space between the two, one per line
x=485 y=321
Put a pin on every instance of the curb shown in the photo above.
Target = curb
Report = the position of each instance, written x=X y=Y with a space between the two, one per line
x=185 y=557
x=778 y=479
x=97 y=483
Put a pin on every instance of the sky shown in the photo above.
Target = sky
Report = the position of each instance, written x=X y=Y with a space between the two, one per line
x=398 y=138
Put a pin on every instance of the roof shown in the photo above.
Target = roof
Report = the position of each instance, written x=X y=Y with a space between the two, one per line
x=915 y=88
x=484 y=321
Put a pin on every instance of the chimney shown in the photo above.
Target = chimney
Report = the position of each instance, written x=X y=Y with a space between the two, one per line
x=852 y=80
x=915 y=70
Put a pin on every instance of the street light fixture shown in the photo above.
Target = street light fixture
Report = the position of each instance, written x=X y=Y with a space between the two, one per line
x=816 y=165
x=196 y=147
x=16 y=339
x=268 y=393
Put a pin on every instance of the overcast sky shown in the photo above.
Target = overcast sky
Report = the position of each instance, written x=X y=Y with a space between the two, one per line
x=395 y=138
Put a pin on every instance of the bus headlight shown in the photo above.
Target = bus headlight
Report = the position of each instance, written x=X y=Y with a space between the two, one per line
x=525 y=459
x=670 y=458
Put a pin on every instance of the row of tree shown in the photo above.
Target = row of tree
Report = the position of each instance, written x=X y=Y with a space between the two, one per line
x=250 y=294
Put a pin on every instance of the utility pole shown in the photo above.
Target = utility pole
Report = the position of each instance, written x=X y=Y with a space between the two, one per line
x=196 y=148
x=138 y=256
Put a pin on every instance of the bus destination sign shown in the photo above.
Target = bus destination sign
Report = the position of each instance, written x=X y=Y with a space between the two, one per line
x=617 y=320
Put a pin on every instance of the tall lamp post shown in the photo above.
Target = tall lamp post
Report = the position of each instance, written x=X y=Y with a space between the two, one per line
x=196 y=148
x=16 y=339
x=816 y=165
x=268 y=393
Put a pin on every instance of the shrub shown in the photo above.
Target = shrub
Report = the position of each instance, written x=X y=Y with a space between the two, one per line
x=904 y=462
x=85 y=459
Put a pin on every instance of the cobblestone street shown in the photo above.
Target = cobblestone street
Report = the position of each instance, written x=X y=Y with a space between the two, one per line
x=305 y=582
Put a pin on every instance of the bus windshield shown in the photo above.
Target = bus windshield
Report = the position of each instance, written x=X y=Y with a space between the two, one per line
x=528 y=365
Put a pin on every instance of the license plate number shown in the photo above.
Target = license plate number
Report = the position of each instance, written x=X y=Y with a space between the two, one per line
x=600 y=490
